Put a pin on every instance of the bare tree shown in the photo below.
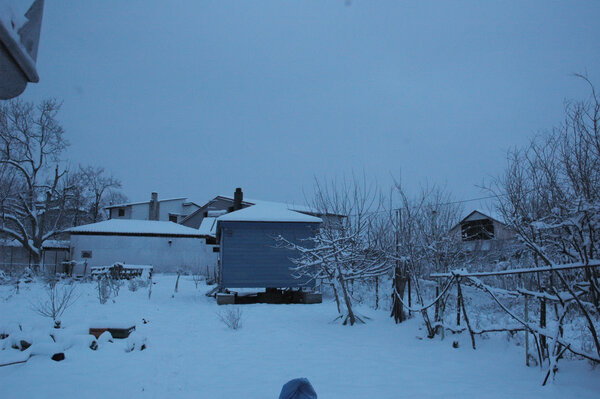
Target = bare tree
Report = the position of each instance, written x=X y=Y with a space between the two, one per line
x=59 y=297
x=424 y=242
x=550 y=192
x=348 y=250
x=550 y=196
x=197 y=277
x=98 y=187
x=32 y=209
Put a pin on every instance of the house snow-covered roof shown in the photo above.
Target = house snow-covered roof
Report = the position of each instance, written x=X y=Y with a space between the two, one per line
x=248 y=202
x=135 y=227
x=290 y=206
x=487 y=214
x=208 y=226
x=268 y=212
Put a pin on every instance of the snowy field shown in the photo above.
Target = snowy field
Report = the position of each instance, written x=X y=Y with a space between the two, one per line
x=192 y=354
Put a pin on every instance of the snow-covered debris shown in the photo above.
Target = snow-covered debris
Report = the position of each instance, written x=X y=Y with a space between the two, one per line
x=135 y=341
x=104 y=338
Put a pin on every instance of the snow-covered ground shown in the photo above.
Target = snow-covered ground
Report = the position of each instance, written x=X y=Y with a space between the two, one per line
x=192 y=354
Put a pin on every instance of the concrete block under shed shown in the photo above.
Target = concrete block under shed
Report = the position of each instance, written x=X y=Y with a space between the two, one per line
x=225 y=299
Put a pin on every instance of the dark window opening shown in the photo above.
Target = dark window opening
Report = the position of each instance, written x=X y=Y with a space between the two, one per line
x=86 y=254
x=211 y=241
x=121 y=212
x=477 y=230
x=216 y=249
x=173 y=218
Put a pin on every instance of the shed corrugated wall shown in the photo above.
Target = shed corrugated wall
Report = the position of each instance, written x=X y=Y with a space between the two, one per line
x=250 y=258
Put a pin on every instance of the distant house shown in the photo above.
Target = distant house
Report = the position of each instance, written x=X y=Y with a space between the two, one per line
x=171 y=210
x=249 y=256
x=222 y=204
x=479 y=230
x=166 y=246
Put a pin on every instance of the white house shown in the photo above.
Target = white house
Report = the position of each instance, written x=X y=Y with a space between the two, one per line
x=165 y=245
x=171 y=209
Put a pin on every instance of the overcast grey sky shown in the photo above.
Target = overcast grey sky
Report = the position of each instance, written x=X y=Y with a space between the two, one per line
x=194 y=98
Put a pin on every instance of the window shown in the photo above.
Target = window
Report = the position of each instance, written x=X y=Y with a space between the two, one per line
x=121 y=212
x=86 y=254
x=216 y=249
x=477 y=230
x=173 y=218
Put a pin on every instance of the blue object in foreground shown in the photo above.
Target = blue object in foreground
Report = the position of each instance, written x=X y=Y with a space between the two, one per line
x=298 y=388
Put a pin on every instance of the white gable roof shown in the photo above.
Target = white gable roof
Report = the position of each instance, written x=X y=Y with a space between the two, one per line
x=268 y=212
x=133 y=227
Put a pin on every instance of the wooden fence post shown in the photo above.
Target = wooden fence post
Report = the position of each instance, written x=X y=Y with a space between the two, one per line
x=461 y=301
x=409 y=297
x=398 y=290
x=543 y=342
x=457 y=301
x=526 y=333
x=437 y=304
x=376 y=292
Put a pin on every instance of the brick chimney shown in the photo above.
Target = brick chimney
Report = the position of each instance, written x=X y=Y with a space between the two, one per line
x=238 y=197
x=153 y=209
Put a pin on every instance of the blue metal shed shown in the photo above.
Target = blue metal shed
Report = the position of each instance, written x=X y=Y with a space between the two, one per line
x=249 y=256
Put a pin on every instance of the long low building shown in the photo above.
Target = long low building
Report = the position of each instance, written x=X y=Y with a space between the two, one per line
x=167 y=246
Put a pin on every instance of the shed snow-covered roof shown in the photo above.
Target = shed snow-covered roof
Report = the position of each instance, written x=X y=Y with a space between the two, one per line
x=135 y=227
x=268 y=212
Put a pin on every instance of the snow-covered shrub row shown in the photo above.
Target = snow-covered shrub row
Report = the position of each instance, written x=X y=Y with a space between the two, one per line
x=18 y=343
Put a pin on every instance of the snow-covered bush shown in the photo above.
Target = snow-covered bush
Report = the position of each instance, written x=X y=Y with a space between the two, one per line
x=133 y=285
x=115 y=285
x=197 y=277
x=103 y=289
x=231 y=316
x=136 y=283
x=4 y=278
